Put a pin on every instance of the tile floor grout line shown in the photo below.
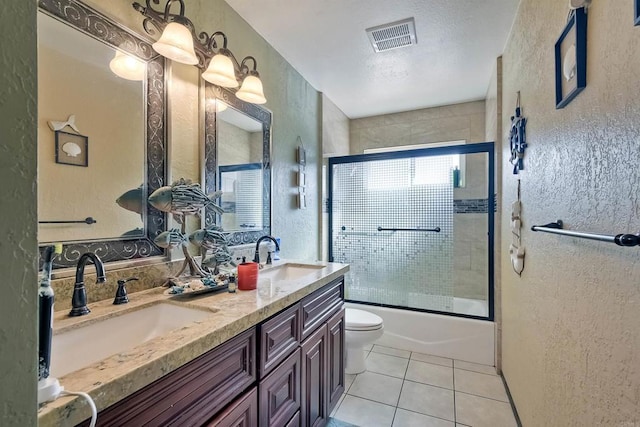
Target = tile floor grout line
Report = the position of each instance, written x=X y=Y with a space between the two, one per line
x=386 y=375
x=427 y=415
x=390 y=355
x=371 y=400
x=404 y=379
x=455 y=413
x=484 y=397
x=432 y=385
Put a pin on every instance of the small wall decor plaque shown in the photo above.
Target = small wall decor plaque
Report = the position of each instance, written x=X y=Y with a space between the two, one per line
x=72 y=149
x=637 y=11
x=518 y=138
x=571 y=58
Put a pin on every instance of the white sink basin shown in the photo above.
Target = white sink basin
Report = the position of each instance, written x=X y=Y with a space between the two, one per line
x=288 y=271
x=81 y=347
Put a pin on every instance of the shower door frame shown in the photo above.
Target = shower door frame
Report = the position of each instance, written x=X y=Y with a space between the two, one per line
x=483 y=147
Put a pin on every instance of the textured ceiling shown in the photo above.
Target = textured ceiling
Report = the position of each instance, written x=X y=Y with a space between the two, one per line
x=458 y=42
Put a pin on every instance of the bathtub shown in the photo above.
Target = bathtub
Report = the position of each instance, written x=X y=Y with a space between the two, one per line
x=440 y=335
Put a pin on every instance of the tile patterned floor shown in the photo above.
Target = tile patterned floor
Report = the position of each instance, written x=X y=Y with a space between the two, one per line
x=406 y=389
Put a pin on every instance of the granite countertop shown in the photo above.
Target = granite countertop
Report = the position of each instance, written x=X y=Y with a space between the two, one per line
x=122 y=374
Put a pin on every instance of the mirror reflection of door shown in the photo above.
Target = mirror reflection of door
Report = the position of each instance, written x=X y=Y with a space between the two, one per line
x=240 y=141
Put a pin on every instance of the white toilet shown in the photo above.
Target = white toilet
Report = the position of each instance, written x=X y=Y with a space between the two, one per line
x=362 y=328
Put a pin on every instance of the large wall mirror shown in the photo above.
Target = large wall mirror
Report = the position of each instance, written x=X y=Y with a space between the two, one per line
x=101 y=135
x=238 y=162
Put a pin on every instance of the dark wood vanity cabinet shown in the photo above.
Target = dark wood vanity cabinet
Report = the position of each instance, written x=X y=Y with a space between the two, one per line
x=320 y=349
x=288 y=371
x=192 y=394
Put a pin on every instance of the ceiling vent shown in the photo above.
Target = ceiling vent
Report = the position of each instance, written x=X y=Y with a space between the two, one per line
x=393 y=36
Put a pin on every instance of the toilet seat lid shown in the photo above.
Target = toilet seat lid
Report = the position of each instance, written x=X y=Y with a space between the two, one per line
x=361 y=320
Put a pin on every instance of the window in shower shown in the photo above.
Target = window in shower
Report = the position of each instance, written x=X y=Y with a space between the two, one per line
x=413 y=240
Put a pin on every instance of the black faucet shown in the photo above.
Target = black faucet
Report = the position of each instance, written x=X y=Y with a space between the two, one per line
x=79 y=300
x=256 y=255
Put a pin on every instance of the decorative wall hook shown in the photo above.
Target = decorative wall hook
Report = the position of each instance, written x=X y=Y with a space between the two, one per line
x=59 y=125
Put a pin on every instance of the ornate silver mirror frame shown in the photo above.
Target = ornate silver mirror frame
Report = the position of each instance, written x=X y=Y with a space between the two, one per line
x=212 y=93
x=96 y=25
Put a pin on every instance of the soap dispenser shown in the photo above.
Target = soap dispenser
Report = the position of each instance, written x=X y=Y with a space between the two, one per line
x=247 y=275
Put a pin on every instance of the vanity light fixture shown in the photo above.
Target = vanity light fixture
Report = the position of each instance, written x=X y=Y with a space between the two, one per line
x=179 y=43
x=127 y=67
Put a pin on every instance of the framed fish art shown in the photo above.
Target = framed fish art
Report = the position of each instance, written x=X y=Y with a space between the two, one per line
x=571 y=58
x=72 y=149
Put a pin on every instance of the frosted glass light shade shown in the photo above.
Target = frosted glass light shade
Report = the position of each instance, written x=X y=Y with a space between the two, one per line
x=127 y=67
x=251 y=90
x=221 y=72
x=176 y=43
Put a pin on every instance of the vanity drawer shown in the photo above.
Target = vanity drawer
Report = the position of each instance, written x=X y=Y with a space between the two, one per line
x=278 y=338
x=318 y=307
x=193 y=393
x=242 y=413
x=279 y=393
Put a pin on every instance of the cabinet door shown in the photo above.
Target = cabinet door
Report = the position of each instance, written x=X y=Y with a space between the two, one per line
x=315 y=394
x=336 y=335
x=279 y=337
x=279 y=393
x=242 y=413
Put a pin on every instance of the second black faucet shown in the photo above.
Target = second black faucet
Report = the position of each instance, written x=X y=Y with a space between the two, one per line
x=256 y=255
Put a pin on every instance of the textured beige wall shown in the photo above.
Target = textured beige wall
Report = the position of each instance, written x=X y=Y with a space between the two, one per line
x=571 y=324
x=335 y=129
x=335 y=142
x=448 y=123
x=18 y=203
x=236 y=148
x=493 y=129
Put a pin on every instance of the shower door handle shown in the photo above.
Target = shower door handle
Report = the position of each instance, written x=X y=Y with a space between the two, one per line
x=433 y=230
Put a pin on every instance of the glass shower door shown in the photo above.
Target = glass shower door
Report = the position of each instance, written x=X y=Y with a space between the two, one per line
x=414 y=227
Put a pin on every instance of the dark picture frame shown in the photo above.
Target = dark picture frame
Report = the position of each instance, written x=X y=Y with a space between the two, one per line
x=572 y=39
x=637 y=12
x=67 y=145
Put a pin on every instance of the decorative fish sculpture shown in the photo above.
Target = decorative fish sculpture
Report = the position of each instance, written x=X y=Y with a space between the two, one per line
x=221 y=255
x=210 y=238
x=136 y=232
x=132 y=200
x=170 y=239
x=183 y=198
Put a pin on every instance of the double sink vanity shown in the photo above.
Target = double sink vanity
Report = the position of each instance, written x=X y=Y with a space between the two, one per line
x=269 y=357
